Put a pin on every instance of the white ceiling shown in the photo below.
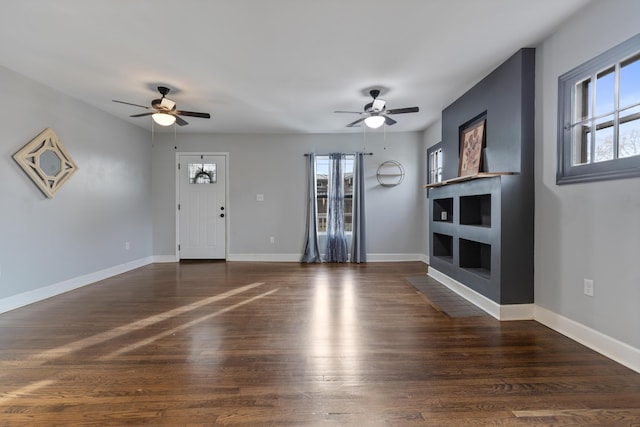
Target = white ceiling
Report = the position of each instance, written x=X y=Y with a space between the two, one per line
x=277 y=66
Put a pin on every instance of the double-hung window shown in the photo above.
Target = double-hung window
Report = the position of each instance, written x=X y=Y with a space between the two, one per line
x=599 y=117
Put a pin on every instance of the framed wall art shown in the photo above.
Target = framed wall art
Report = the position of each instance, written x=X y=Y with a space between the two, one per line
x=45 y=160
x=472 y=139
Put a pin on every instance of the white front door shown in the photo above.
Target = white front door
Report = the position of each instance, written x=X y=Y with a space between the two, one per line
x=202 y=214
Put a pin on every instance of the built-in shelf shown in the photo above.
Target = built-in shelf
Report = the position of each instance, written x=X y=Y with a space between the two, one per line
x=443 y=246
x=443 y=210
x=475 y=257
x=476 y=210
x=464 y=246
x=469 y=246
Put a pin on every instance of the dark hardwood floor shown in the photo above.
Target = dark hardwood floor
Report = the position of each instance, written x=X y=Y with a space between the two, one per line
x=258 y=344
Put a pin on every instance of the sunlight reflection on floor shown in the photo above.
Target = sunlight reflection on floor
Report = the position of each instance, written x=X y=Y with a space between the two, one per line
x=45 y=356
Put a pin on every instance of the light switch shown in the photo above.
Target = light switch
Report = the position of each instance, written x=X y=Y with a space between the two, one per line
x=260 y=197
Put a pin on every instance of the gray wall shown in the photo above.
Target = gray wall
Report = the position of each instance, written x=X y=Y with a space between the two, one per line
x=589 y=230
x=274 y=165
x=106 y=203
x=431 y=136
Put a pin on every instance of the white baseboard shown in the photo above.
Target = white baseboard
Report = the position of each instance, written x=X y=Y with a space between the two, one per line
x=159 y=259
x=499 y=311
x=297 y=257
x=395 y=257
x=30 y=297
x=265 y=257
x=610 y=347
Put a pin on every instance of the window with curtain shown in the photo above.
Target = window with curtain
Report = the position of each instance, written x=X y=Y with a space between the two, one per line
x=335 y=208
x=322 y=180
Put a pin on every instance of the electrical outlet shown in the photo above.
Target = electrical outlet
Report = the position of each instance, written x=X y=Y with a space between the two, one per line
x=260 y=197
x=272 y=240
x=588 y=287
x=127 y=246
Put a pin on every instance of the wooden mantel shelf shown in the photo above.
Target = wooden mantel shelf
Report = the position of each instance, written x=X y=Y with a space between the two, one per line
x=468 y=178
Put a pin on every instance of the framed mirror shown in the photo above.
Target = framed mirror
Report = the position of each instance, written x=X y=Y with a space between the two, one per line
x=45 y=160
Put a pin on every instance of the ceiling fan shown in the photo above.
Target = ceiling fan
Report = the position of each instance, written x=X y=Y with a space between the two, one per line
x=375 y=113
x=164 y=112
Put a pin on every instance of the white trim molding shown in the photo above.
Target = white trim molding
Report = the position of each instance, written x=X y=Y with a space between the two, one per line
x=395 y=257
x=500 y=312
x=297 y=257
x=20 y=300
x=159 y=259
x=265 y=257
x=610 y=347
x=607 y=346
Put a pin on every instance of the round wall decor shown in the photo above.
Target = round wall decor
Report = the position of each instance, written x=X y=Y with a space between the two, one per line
x=390 y=173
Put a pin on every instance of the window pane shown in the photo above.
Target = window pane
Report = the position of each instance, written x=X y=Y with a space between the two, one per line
x=435 y=166
x=322 y=174
x=322 y=214
x=322 y=183
x=582 y=103
x=604 y=139
x=629 y=133
x=581 y=145
x=347 y=170
x=431 y=168
x=202 y=173
x=605 y=89
x=348 y=214
x=630 y=82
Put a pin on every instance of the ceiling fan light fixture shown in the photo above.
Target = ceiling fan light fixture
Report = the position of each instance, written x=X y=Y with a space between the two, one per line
x=374 y=122
x=163 y=119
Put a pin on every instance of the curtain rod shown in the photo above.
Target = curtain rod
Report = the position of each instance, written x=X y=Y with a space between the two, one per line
x=326 y=154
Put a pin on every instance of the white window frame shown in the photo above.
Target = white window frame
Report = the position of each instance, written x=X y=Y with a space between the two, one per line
x=589 y=170
x=434 y=164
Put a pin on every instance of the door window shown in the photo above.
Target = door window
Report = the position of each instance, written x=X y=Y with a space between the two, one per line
x=203 y=173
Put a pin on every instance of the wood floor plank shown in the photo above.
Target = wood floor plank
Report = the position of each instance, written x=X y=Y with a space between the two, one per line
x=252 y=344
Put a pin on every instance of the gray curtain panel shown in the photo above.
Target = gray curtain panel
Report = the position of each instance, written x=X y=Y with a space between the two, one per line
x=311 y=252
x=336 y=240
x=358 y=241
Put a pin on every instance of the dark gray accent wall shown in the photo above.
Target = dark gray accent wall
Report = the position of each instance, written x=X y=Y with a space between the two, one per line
x=506 y=95
x=506 y=98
